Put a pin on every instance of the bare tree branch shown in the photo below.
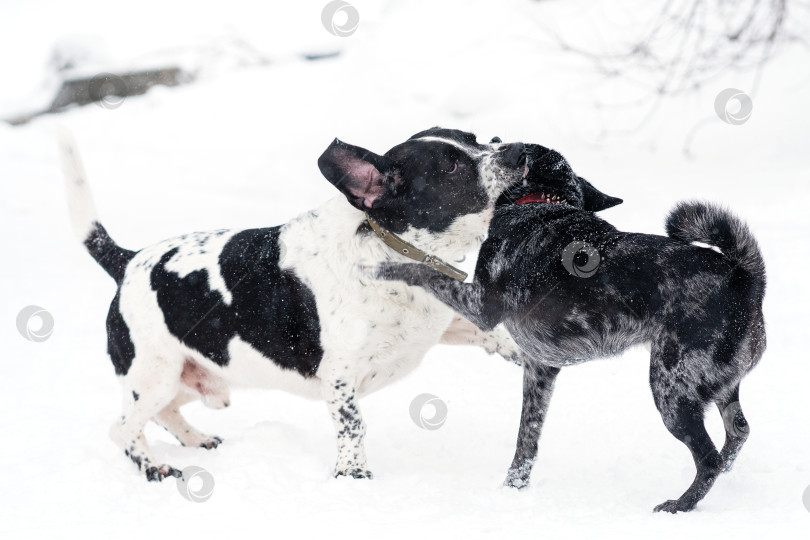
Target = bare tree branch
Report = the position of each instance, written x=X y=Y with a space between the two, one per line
x=689 y=42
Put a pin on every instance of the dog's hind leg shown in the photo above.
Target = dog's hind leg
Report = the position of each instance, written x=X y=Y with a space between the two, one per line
x=538 y=385
x=683 y=416
x=736 y=425
x=150 y=385
x=172 y=420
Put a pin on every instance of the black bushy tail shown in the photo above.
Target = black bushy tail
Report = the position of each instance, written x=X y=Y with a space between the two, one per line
x=710 y=224
x=112 y=257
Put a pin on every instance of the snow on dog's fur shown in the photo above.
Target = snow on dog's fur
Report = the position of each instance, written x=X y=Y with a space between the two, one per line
x=287 y=307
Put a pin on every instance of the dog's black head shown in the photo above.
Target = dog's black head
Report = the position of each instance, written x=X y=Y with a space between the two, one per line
x=552 y=181
x=427 y=182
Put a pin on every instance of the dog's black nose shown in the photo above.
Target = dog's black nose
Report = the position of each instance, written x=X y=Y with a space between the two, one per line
x=514 y=154
x=495 y=140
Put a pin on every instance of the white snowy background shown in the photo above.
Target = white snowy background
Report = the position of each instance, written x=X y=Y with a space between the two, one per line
x=238 y=148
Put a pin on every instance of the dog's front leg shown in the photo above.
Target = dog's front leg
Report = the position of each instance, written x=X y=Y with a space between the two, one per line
x=341 y=399
x=467 y=299
x=538 y=385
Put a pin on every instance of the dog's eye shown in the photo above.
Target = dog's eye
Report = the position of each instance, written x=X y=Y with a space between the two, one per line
x=453 y=168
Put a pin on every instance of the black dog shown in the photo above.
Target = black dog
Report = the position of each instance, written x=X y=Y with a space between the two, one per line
x=569 y=287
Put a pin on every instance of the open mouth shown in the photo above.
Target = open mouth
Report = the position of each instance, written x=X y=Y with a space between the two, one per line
x=541 y=197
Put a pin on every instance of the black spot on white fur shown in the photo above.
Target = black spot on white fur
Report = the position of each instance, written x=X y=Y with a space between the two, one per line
x=271 y=309
x=119 y=343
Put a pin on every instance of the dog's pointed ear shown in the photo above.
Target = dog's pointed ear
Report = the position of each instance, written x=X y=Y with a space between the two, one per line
x=358 y=173
x=594 y=200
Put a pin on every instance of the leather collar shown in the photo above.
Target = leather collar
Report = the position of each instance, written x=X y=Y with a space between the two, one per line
x=412 y=252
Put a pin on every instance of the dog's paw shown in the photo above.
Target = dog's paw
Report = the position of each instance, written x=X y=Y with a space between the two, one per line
x=516 y=481
x=157 y=474
x=211 y=443
x=354 y=473
x=673 y=507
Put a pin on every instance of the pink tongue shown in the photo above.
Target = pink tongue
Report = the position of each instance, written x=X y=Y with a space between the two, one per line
x=534 y=197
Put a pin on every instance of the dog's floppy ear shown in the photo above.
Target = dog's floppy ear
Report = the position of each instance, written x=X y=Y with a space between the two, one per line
x=358 y=173
x=594 y=200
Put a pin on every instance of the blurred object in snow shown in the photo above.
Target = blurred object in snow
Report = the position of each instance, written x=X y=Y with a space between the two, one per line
x=107 y=89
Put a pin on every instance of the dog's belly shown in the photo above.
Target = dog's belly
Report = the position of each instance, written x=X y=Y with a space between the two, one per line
x=375 y=353
x=249 y=368
x=384 y=352
x=572 y=344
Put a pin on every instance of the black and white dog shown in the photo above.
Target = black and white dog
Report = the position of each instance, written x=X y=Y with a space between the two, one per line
x=288 y=307
x=569 y=287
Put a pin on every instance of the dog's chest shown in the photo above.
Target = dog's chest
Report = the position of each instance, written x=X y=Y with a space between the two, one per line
x=377 y=331
x=381 y=330
x=398 y=325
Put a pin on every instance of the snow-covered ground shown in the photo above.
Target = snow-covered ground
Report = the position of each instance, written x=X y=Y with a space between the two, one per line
x=238 y=149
